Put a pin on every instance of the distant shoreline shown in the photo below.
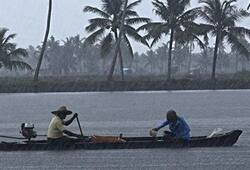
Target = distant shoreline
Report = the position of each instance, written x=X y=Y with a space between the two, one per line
x=26 y=85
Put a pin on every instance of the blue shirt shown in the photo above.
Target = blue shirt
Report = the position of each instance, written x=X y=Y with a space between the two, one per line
x=179 y=128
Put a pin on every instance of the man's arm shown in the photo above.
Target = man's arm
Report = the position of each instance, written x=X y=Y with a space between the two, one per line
x=68 y=122
x=161 y=126
x=67 y=132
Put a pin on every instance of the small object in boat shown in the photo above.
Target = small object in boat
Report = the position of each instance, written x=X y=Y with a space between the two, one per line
x=106 y=139
x=153 y=133
x=27 y=130
x=216 y=132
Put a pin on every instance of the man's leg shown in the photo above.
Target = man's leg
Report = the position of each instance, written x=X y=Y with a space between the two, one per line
x=168 y=136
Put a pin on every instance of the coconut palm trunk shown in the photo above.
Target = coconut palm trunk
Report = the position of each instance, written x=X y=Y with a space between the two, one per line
x=217 y=42
x=189 y=60
x=120 y=56
x=236 y=64
x=120 y=59
x=170 y=53
x=118 y=43
x=121 y=64
x=44 y=42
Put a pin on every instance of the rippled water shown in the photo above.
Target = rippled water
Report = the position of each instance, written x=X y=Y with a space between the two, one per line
x=133 y=114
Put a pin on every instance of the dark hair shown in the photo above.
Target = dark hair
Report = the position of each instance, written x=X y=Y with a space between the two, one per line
x=171 y=116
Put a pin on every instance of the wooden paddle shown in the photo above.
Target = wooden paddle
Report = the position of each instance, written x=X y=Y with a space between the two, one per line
x=78 y=122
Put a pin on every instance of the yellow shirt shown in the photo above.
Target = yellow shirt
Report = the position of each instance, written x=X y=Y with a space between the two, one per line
x=56 y=128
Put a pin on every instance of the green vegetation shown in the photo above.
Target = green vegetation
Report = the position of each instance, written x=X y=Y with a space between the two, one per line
x=82 y=64
x=98 y=83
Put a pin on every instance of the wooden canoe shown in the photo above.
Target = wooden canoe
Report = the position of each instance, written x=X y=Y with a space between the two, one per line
x=227 y=139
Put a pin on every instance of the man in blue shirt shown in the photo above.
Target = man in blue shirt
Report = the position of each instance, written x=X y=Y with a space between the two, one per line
x=177 y=125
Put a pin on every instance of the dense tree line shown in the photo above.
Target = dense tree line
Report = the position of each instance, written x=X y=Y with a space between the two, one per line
x=72 y=57
x=186 y=49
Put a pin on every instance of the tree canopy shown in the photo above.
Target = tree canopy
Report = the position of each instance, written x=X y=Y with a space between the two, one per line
x=10 y=55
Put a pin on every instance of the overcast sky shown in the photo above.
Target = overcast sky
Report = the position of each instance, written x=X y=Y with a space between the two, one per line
x=27 y=18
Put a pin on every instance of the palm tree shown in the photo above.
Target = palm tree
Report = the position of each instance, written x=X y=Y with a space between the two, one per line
x=221 y=18
x=106 y=28
x=44 y=42
x=118 y=43
x=52 y=56
x=162 y=53
x=78 y=50
x=152 y=61
x=71 y=49
x=176 y=21
x=10 y=55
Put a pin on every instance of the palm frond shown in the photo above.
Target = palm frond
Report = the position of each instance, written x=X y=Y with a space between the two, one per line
x=131 y=13
x=16 y=64
x=199 y=42
x=244 y=13
x=156 y=39
x=98 y=23
x=3 y=32
x=133 y=4
x=212 y=9
x=94 y=36
x=237 y=45
x=9 y=37
x=112 y=7
x=131 y=32
x=129 y=46
x=161 y=10
x=106 y=44
x=96 y=11
x=159 y=5
x=227 y=6
x=240 y=31
x=159 y=29
x=235 y=16
x=209 y=3
x=156 y=31
x=189 y=15
x=185 y=36
x=206 y=27
x=149 y=26
x=184 y=3
x=18 y=52
x=138 y=20
x=205 y=15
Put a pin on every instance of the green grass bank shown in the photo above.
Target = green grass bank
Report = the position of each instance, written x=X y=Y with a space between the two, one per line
x=86 y=84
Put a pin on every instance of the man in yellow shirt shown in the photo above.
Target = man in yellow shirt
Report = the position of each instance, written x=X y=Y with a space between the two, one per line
x=56 y=130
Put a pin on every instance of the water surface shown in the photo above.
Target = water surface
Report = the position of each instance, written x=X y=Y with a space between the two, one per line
x=133 y=114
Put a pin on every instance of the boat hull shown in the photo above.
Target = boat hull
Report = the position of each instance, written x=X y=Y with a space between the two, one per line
x=228 y=139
